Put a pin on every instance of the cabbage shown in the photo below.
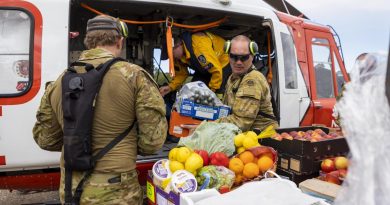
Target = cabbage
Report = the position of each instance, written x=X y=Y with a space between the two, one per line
x=212 y=137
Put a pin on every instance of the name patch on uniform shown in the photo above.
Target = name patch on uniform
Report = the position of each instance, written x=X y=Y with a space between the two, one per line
x=250 y=83
x=202 y=59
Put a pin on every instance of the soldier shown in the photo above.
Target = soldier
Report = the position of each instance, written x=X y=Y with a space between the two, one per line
x=247 y=90
x=203 y=52
x=128 y=93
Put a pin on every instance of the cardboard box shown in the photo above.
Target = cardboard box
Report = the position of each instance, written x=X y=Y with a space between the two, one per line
x=321 y=189
x=311 y=150
x=202 y=112
x=177 y=120
x=157 y=196
x=299 y=165
x=296 y=178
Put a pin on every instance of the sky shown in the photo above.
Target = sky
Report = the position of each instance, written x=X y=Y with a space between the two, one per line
x=363 y=26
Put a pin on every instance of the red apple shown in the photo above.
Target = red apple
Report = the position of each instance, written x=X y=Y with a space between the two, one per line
x=343 y=173
x=204 y=155
x=327 y=165
x=341 y=163
x=332 y=179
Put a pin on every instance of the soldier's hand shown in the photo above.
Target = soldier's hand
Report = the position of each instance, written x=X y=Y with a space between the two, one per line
x=164 y=90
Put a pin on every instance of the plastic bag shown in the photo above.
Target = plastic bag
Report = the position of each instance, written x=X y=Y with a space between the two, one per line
x=197 y=92
x=365 y=119
x=212 y=137
x=214 y=177
x=275 y=191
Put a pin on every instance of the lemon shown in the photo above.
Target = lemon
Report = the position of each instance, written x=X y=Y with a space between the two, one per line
x=249 y=142
x=194 y=162
x=251 y=134
x=240 y=149
x=238 y=140
x=175 y=165
x=182 y=154
x=172 y=154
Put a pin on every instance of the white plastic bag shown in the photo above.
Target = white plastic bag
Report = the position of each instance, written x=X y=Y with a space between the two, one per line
x=273 y=191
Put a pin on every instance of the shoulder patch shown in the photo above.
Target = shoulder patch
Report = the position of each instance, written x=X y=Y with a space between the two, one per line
x=250 y=83
x=202 y=59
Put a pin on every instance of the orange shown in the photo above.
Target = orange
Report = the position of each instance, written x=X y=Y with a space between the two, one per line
x=251 y=170
x=236 y=165
x=246 y=157
x=238 y=179
x=265 y=163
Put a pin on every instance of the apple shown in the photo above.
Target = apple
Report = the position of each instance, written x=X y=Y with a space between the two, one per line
x=301 y=133
x=319 y=131
x=309 y=131
x=342 y=173
x=341 y=162
x=331 y=178
x=204 y=155
x=294 y=133
x=327 y=165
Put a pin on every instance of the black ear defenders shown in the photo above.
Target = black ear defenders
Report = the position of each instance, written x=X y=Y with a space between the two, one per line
x=106 y=23
x=253 y=48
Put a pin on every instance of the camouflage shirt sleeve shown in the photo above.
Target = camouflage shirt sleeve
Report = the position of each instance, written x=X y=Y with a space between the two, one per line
x=246 y=104
x=47 y=132
x=150 y=113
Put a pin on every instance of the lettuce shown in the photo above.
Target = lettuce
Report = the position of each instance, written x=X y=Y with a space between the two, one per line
x=212 y=137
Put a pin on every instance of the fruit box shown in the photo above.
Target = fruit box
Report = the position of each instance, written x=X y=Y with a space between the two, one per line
x=157 y=196
x=299 y=165
x=296 y=178
x=203 y=112
x=177 y=120
x=311 y=150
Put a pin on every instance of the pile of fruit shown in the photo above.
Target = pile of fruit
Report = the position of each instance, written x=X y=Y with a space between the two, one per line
x=334 y=170
x=246 y=141
x=310 y=135
x=252 y=163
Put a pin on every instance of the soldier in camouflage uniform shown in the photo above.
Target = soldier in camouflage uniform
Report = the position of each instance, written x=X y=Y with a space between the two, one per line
x=128 y=93
x=247 y=90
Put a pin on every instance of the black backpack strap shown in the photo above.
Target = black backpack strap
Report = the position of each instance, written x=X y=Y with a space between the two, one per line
x=102 y=152
x=75 y=200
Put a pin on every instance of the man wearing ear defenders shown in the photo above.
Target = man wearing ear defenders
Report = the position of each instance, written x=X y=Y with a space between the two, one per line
x=202 y=52
x=128 y=94
x=247 y=90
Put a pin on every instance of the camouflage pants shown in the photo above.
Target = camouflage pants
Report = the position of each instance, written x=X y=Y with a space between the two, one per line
x=123 y=188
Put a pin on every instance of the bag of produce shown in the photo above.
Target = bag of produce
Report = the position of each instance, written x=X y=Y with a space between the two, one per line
x=199 y=93
x=215 y=177
x=212 y=137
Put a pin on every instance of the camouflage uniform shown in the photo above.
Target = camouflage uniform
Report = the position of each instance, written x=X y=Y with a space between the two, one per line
x=128 y=93
x=252 y=94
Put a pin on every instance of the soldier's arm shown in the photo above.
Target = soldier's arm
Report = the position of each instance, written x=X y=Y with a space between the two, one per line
x=181 y=74
x=150 y=113
x=209 y=61
x=47 y=132
x=246 y=105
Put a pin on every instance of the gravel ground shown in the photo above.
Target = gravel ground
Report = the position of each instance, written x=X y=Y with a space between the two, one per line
x=32 y=197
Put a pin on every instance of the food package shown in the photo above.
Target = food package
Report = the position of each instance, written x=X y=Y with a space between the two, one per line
x=197 y=92
x=215 y=177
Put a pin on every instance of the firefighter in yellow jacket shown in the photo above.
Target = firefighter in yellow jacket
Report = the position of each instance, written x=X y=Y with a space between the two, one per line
x=202 y=52
x=128 y=94
x=247 y=90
